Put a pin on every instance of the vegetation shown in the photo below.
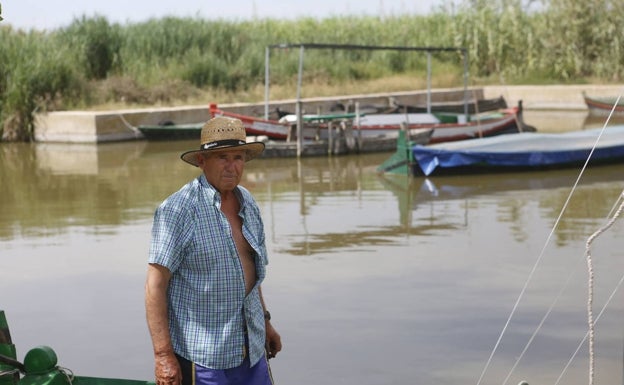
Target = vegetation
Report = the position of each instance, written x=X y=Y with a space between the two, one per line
x=93 y=63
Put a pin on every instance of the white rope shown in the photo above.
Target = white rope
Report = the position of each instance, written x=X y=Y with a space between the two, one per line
x=69 y=375
x=578 y=348
x=590 y=289
x=541 y=255
x=537 y=262
x=539 y=327
x=552 y=305
x=137 y=132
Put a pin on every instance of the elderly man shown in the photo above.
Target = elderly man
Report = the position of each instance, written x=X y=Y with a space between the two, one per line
x=207 y=318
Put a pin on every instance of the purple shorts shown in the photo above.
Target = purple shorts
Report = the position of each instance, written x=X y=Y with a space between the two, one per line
x=259 y=374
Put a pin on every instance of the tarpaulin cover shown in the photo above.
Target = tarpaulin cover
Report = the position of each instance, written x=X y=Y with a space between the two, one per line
x=523 y=150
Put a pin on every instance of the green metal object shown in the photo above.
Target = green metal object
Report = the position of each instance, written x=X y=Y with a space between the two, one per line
x=7 y=349
x=41 y=359
x=52 y=377
x=401 y=161
x=40 y=366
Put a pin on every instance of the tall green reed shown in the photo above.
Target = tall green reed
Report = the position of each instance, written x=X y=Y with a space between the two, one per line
x=565 y=41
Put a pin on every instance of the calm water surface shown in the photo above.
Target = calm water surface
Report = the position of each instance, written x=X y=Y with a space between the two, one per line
x=372 y=280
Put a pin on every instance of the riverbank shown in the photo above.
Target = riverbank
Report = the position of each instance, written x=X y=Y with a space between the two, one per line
x=121 y=125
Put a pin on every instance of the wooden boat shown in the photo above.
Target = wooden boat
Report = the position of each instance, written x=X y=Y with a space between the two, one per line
x=523 y=151
x=459 y=107
x=471 y=106
x=40 y=366
x=254 y=126
x=444 y=126
x=602 y=106
x=449 y=127
x=171 y=131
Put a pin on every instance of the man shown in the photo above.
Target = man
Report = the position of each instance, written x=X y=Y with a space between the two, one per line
x=207 y=318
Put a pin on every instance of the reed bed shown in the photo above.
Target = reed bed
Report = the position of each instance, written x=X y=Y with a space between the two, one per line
x=93 y=63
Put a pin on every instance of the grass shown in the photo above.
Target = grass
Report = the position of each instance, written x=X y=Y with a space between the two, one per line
x=95 y=64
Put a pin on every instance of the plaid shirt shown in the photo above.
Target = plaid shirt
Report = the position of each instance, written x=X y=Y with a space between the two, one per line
x=208 y=309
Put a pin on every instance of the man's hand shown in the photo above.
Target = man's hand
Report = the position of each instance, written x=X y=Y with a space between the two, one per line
x=167 y=370
x=273 y=341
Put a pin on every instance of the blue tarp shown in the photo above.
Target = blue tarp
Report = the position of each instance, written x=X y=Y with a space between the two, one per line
x=523 y=150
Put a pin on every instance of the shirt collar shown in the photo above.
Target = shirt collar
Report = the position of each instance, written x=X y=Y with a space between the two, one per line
x=211 y=192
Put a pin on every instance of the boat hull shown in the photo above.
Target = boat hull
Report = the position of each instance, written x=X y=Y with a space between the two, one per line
x=604 y=106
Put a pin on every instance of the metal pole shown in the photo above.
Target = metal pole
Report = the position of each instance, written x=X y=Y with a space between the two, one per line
x=299 y=112
x=428 y=82
x=465 y=57
x=266 y=82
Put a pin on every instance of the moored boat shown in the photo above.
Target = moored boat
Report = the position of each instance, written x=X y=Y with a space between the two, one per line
x=444 y=126
x=473 y=106
x=603 y=106
x=394 y=106
x=518 y=152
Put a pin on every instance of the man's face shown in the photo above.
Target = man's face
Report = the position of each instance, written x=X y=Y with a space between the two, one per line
x=223 y=169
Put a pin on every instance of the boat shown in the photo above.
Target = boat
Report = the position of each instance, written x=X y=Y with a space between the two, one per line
x=40 y=366
x=522 y=151
x=170 y=131
x=345 y=143
x=450 y=126
x=603 y=106
x=471 y=106
x=443 y=127
x=254 y=126
x=446 y=126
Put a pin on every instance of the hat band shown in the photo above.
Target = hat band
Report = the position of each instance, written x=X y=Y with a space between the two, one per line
x=218 y=143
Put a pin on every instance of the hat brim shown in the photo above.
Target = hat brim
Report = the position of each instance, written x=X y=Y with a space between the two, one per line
x=253 y=150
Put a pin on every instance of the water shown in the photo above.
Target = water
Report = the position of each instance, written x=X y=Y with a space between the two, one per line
x=372 y=280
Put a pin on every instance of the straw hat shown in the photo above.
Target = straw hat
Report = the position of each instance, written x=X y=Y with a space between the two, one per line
x=223 y=133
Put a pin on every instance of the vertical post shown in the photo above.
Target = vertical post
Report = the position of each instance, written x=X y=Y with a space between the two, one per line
x=299 y=109
x=330 y=137
x=465 y=57
x=266 y=81
x=357 y=121
x=428 y=82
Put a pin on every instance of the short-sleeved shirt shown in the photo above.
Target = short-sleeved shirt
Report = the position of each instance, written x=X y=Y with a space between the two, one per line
x=208 y=309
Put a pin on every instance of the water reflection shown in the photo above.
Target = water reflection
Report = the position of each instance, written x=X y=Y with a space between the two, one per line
x=373 y=279
x=590 y=202
x=50 y=187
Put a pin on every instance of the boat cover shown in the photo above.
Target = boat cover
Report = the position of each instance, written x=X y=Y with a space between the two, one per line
x=523 y=150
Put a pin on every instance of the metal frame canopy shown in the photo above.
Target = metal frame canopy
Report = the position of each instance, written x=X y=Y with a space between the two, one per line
x=303 y=46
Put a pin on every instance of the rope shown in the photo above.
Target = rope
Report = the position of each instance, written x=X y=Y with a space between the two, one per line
x=590 y=289
x=552 y=305
x=541 y=254
x=578 y=348
x=539 y=327
x=137 y=132
x=530 y=277
x=69 y=375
